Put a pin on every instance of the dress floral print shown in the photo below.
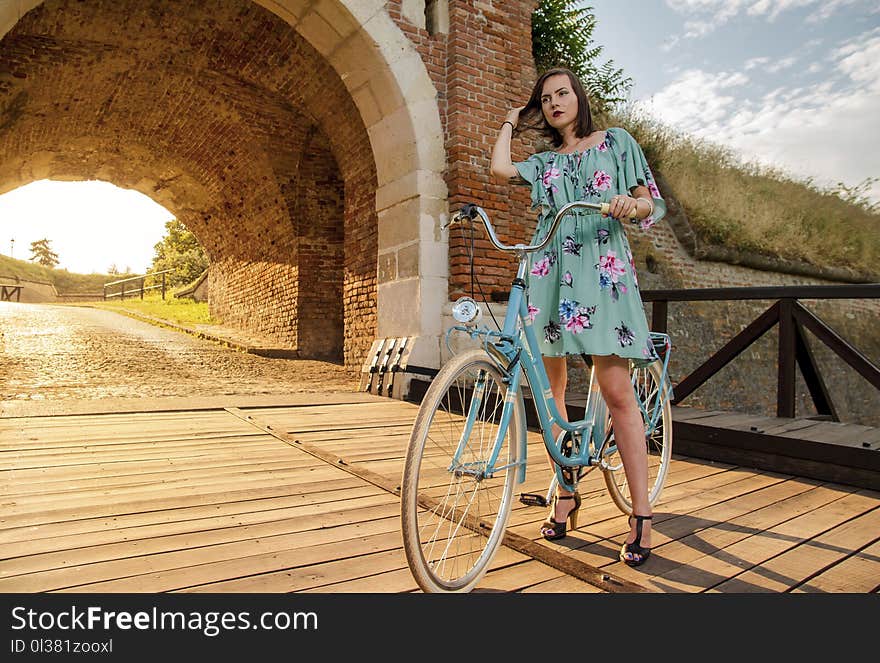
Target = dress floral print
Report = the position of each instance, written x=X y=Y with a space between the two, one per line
x=583 y=290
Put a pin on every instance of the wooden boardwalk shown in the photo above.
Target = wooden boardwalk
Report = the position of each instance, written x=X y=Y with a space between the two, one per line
x=298 y=497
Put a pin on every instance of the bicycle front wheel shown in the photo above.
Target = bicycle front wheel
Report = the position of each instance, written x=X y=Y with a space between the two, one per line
x=658 y=439
x=454 y=505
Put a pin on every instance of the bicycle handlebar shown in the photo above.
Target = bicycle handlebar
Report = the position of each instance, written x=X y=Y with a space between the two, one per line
x=471 y=211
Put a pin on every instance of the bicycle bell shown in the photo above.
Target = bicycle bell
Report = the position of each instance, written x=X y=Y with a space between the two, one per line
x=466 y=311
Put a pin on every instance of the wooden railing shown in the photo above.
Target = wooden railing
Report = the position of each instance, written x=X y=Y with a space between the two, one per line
x=10 y=290
x=792 y=318
x=139 y=290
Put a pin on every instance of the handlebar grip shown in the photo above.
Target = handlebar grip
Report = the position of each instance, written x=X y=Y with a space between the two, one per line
x=606 y=208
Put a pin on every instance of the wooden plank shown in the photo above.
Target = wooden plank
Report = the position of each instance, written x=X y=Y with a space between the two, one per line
x=856 y=573
x=184 y=485
x=818 y=559
x=39 y=479
x=167 y=571
x=179 y=499
x=399 y=581
x=602 y=539
x=200 y=508
x=239 y=522
x=732 y=420
x=42 y=483
x=321 y=575
x=687 y=413
x=123 y=548
x=195 y=405
x=752 y=539
x=561 y=585
x=839 y=433
x=791 y=427
x=691 y=436
x=598 y=542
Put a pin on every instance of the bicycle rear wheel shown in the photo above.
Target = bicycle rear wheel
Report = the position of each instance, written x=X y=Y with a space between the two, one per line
x=453 y=513
x=647 y=385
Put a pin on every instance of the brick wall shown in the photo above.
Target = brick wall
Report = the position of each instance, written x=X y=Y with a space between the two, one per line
x=488 y=70
x=225 y=115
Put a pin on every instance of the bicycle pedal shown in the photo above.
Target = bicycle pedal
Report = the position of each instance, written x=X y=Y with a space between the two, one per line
x=533 y=499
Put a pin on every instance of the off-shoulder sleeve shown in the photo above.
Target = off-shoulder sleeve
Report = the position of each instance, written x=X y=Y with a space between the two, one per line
x=633 y=171
x=532 y=172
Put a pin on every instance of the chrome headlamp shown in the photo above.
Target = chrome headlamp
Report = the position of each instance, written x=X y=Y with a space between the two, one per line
x=466 y=311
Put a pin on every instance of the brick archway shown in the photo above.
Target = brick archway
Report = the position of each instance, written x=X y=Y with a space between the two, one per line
x=259 y=125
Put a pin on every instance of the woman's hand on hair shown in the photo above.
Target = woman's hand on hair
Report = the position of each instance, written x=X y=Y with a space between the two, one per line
x=513 y=115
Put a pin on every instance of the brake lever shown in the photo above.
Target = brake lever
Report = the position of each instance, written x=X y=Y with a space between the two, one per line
x=468 y=211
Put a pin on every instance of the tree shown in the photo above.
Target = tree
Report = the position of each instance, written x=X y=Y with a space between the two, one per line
x=180 y=251
x=562 y=36
x=43 y=254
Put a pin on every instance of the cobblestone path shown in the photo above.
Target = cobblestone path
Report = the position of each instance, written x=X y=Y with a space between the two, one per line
x=51 y=352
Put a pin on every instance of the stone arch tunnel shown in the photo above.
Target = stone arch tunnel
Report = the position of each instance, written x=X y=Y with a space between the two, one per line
x=280 y=133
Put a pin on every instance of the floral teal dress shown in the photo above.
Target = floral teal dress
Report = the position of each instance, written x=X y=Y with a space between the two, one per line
x=583 y=290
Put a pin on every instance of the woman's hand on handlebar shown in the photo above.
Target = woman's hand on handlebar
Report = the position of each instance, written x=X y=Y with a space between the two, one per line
x=622 y=207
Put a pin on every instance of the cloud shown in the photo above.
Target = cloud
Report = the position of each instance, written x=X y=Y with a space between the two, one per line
x=860 y=60
x=706 y=16
x=769 y=65
x=755 y=62
x=696 y=100
x=827 y=8
x=824 y=130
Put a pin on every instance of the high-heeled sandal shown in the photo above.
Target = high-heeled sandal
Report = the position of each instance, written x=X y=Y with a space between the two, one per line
x=639 y=554
x=553 y=530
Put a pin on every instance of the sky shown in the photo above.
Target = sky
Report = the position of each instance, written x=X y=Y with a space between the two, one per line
x=789 y=84
x=90 y=225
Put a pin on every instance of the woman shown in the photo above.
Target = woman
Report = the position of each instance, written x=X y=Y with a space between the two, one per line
x=583 y=291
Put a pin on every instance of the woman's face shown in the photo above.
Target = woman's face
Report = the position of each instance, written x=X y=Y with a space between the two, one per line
x=559 y=102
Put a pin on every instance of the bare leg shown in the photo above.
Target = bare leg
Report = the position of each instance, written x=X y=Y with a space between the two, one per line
x=557 y=372
x=614 y=381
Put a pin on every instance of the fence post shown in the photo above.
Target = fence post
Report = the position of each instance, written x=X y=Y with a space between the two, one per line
x=122 y=293
x=143 y=279
x=163 y=287
x=787 y=339
x=658 y=315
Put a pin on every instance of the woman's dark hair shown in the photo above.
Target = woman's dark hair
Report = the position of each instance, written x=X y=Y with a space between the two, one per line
x=534 y=116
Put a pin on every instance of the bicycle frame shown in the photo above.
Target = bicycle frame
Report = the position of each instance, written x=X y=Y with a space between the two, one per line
x=507 y=352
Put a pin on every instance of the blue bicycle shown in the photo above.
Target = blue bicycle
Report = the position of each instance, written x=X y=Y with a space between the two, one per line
x=467 y=450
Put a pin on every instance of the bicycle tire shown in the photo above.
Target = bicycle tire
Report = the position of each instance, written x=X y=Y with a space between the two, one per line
x=659 y=443
x=454 y=521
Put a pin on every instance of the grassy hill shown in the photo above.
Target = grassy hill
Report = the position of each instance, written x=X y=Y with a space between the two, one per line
x=757 y=209
x=64 y=281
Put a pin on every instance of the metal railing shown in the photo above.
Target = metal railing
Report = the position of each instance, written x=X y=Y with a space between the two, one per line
x=140 y=290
